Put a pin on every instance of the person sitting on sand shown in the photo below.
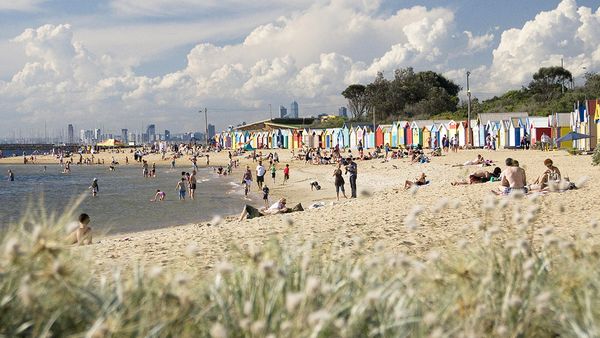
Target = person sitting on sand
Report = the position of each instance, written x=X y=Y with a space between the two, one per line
x=277 y=208
x=421 y=180
x=513 y=178
x=479 y=160
x=83 y=234
x=159 y=196
x=551 y=175
x=481 y=176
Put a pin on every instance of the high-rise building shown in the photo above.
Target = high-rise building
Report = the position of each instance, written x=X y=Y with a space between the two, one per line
x=343 y=112
x=151 y=132
x=125 y=136
x=97 y=134
x=211 y=131
x=294 y=110
x=70 y=134
x=167 y=135
x=282 y=112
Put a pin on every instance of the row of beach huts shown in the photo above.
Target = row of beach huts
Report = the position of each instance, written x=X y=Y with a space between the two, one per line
x=506 y=129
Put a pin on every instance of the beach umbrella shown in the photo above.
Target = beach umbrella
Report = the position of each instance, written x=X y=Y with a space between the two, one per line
x=572 y=136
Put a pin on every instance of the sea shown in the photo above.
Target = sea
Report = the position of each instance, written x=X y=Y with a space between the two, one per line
x=123 y=203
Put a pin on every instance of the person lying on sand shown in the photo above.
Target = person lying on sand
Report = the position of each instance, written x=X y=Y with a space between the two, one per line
x=481 y=176
x=421 y=180
x=83 y=234
x=278 y=208
x=479 y=160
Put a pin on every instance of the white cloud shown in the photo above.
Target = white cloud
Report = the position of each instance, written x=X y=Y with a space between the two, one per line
x=309 y=55
x=20 y=5
x=567 y=31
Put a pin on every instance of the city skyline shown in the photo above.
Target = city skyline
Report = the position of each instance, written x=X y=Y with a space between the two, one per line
x=120 y=61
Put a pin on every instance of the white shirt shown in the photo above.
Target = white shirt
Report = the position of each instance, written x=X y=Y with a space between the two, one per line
x=260 y=170
x=276 y=206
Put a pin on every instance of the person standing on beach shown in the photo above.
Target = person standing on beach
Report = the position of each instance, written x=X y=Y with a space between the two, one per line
x=339 y=182
x=207 y=160
x=94 y=187
x=286 y=173
x=273 y=170
x=181 y=189
x=247 y=180
x=260 y=174
x=193 y=181
x=11 y=175
x=265 y=191
x=352 y=168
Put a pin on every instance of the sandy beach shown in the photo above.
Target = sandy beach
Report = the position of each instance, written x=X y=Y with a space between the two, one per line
x=448 y=219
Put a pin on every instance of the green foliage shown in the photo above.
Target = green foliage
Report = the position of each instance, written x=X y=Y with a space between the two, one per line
x=549 y=82
x=332 y=122
x=357 y=99
x=517 y=282
x=408 y=94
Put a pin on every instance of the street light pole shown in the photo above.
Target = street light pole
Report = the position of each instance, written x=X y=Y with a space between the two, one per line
x=469 y=141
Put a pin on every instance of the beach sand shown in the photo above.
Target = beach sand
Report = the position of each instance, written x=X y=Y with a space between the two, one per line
x=448 y=219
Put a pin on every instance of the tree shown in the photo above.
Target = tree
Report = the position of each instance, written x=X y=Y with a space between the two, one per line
x=378 y=97
x=548 y=82
x=356 y=94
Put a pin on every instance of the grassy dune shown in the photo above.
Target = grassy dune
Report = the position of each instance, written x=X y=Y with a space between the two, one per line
x=511 y=284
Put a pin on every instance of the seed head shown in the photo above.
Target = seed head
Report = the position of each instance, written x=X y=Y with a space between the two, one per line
x=312 y=285
x=192 y=250
x=258 y=327
x=293 y=300
x=318 y=317
x=225 y=268
x=216 y=220
x=248 y=308
x=218 y=331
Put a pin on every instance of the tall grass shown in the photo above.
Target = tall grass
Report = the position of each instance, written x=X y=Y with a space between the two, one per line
x=516 y=281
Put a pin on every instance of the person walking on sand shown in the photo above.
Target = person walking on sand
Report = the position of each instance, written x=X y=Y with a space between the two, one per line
x=286 y=173
x=265 y=191
x=260 y=174
x=180 y=187
x=83 y=234
x=247 y=180
x=193 y=182
x=11 y=175
x=339 y=182
x=94 y=187
x=273 y=170
x=352 y=168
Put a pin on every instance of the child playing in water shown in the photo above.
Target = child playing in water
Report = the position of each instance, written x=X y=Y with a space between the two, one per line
x=160 y=196
x=94 y=187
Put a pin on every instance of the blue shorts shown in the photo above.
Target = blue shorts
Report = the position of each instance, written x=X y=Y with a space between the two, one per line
x=181 y=193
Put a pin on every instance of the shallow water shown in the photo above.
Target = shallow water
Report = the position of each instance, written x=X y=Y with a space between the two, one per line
x=123 y=203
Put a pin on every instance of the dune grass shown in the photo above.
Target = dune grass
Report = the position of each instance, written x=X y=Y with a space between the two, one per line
x=517 y=281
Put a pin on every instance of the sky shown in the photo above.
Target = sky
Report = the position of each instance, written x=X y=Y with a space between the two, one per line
x=127 y=63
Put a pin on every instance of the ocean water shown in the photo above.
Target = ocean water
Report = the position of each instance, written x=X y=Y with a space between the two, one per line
x=123 y=203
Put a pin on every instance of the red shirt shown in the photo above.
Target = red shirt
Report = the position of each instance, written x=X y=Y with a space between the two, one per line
x=286 y=170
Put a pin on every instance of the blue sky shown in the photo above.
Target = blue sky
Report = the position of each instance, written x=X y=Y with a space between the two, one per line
x=99 y=62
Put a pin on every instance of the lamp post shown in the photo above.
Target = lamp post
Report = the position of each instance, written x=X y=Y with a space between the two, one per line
x=468 y=111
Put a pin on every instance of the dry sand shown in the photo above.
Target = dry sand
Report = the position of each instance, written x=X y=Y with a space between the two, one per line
x=376 y=216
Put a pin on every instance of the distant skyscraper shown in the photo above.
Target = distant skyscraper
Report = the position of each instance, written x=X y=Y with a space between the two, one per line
x=282 y=112
x=167 y=135
x=97 y=134
x=343 y=112
x=151 y=132
x=294 y=110
x=125 y=136
x=211 y=131
x=70 y=134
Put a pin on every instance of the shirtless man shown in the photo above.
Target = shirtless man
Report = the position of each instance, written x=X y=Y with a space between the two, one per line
x=192 y=183
x=83 y=234
x=513 y=177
